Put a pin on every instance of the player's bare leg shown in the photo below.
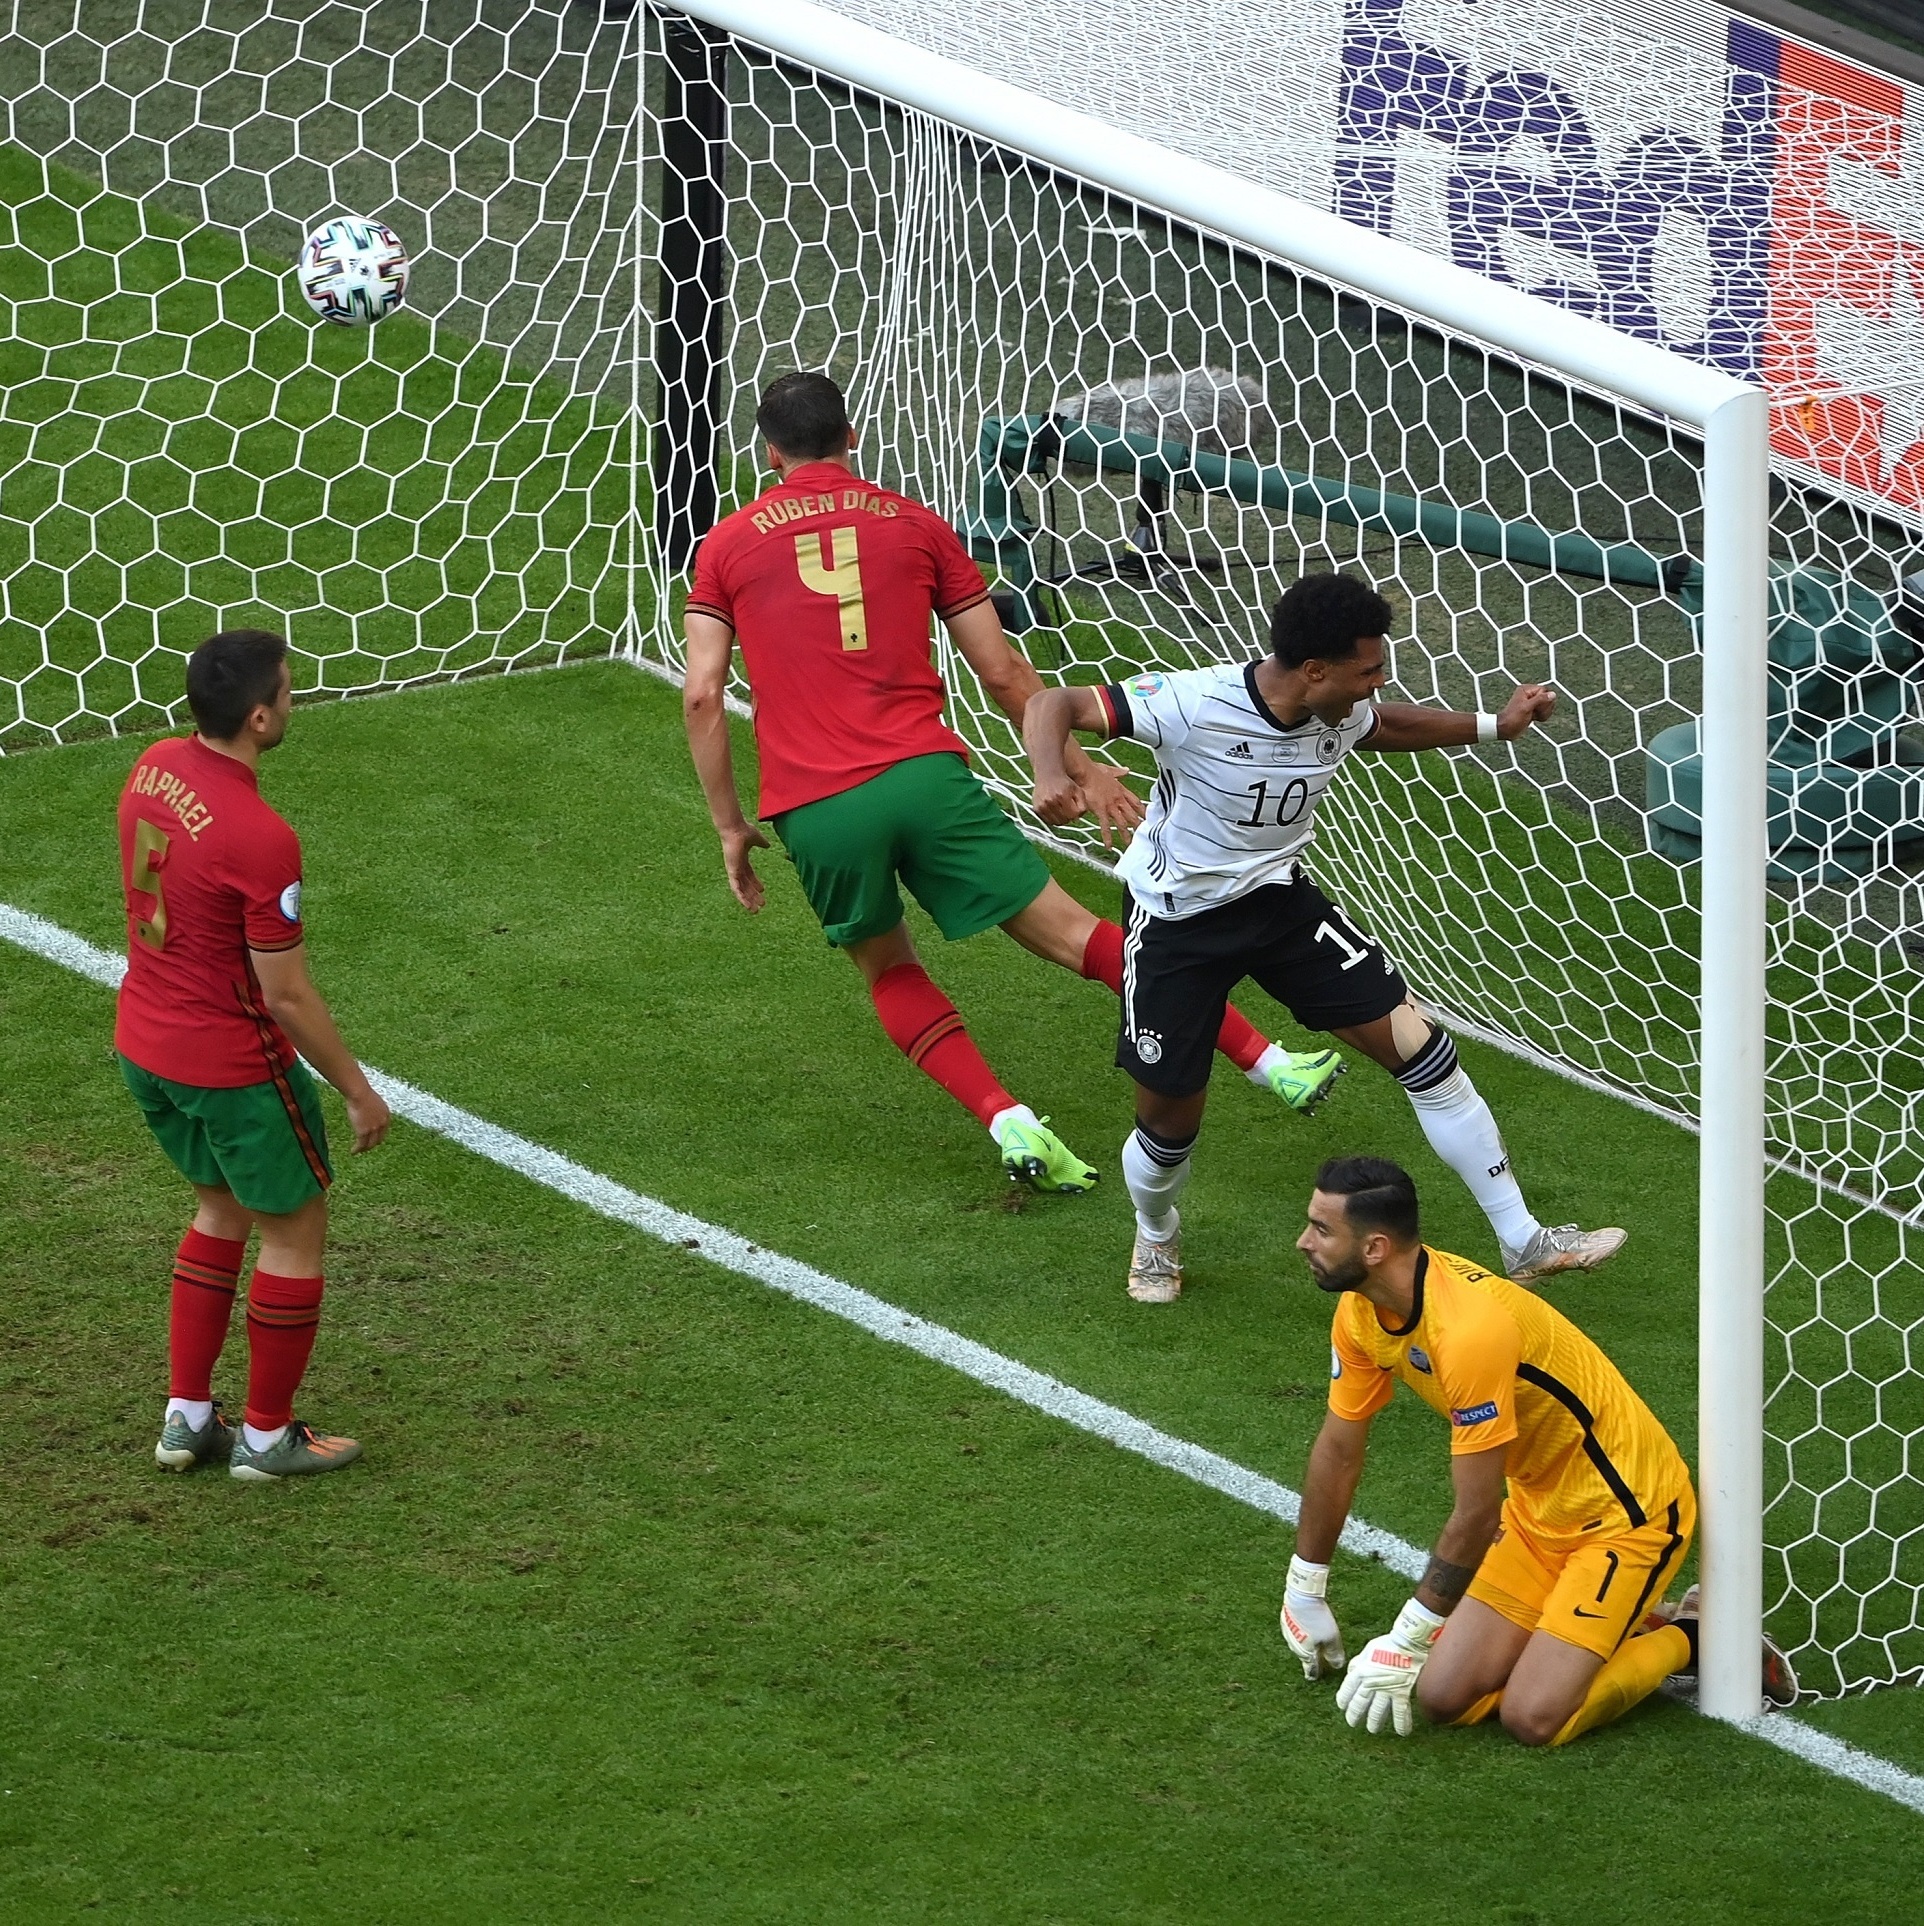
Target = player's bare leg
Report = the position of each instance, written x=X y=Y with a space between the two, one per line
x=1548 y=1690
x=1469 y=1665
x=1549 y=1683
x=1060 y=930
x=927 y=1028
x=1461 y=1130
x=1155 y=1166
x=220 y=1215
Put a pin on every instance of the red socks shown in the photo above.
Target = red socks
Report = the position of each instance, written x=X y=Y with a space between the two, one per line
x=1102 y=957
x=1239 y=1039
x=206 y=1270
x=283 y=1314
x=927 y=1028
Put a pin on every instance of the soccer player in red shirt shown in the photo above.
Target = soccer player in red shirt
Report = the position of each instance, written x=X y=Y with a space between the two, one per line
x=829 y=583
x=215 y=1000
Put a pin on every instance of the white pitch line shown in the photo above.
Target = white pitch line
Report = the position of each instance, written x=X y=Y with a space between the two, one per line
x=720 y=1246
x=934 y=1341
x=1835 y=1756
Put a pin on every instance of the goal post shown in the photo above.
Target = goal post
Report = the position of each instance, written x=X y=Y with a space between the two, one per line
x=1731 y=1147
x=1151 y=394
x=881 y=157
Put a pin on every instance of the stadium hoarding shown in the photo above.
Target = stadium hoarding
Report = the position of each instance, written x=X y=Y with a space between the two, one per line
x=1677 y=170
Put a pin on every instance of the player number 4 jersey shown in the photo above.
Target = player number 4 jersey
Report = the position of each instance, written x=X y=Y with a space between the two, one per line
x=829 y=583
x=1236 y=790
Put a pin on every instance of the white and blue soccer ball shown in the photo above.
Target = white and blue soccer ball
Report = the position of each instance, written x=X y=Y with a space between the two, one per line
x=353 y=271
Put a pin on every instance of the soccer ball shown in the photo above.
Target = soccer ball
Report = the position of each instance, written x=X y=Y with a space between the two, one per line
x=353 y=271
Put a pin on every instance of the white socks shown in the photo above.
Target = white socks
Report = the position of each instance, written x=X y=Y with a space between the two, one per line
x=1155 y=1168
x=1017 y=1112
x=198 y=1411
x=1258 y=1072
x=1462 y=1132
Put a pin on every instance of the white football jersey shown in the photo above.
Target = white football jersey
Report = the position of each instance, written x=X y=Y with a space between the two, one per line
x=1235 y=800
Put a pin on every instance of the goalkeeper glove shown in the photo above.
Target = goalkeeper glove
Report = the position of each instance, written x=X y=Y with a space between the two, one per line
x=1381 y=1682
x=1308 y=1623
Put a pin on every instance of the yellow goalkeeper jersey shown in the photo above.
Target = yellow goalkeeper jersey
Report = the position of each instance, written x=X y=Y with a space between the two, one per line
x=1504 y=1367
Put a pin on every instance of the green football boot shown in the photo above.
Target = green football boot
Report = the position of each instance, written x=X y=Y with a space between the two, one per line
x=182 y=1448
x=299 y=1452
x=1033 y=1154
x=1305 y=1078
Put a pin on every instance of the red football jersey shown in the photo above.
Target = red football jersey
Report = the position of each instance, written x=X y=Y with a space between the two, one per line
x=210 y=872
x=829 y=584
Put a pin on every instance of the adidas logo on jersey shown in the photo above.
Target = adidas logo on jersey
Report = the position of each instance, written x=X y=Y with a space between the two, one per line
x=1242 y=753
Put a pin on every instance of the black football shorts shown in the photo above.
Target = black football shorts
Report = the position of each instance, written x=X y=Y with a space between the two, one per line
x=1177 y=973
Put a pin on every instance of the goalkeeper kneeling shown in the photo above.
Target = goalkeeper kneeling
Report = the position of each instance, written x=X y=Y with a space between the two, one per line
x=1543 y=1603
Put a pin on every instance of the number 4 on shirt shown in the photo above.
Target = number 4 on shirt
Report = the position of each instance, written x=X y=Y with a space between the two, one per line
x=843 y=579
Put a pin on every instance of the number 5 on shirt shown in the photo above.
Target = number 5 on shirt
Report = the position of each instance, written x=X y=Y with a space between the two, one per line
x=150 y=851
x=843 y=580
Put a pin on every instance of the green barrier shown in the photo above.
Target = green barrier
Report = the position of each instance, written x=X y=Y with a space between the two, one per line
x=1004 y=532
x=1846 y=794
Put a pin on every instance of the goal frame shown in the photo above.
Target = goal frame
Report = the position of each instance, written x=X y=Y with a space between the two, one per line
x=1731 y=416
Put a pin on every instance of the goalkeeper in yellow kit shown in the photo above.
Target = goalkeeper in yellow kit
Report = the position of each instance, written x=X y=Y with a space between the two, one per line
x=1543 y=1601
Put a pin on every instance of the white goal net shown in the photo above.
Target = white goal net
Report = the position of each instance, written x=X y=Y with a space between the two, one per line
x=183 y=447
x=1147 y=431
x=623 y=227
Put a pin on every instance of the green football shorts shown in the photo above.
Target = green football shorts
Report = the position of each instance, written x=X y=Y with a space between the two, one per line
x=927 y=821
x=265 y=1142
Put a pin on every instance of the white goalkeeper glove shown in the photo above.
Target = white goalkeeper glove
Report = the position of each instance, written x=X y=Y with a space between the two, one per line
x=1381 y=1682
x=1307 y=1621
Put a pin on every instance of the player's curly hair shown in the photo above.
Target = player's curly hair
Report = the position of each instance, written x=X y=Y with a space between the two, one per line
x=1376 y=1194
x=805 y=416
x=1321 y=618
x=229 y=676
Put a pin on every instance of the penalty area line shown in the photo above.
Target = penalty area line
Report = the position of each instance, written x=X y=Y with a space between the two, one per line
x=937 y=1342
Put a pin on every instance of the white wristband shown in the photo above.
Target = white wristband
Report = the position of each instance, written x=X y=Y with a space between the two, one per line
x=1417 y=1625
x=1307 y=1580
x=1486 y=728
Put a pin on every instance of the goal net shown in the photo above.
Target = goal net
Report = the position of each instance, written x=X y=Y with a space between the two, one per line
x=183 y=447
x=1147 y=429
x=1146 y=424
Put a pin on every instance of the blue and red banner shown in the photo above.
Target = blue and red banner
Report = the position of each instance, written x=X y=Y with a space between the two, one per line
x=1785 y=242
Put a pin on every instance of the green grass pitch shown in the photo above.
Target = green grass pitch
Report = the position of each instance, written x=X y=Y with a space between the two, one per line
x=183 y=447
x=662 y=1598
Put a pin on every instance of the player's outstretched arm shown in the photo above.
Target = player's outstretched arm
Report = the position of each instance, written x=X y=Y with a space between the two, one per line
x=711 y=647
x=295 y=1004
x=1329 y=1488
x=1010 y=678
x=1046 y=723
x=1380 y=1685
x=1411 y=725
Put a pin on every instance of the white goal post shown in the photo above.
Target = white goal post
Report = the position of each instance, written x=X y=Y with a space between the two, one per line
x=1728 y=416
